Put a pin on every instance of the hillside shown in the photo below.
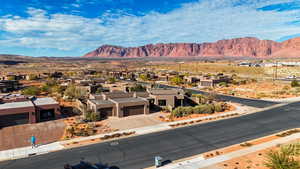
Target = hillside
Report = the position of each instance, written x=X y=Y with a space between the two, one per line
x=238 y=47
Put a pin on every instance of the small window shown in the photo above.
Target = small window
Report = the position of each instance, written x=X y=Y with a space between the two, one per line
x=162 y=102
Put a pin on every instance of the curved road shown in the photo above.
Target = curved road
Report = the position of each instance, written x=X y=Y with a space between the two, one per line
x=138 y=152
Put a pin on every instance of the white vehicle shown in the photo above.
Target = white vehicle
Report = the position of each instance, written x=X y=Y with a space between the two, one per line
x=291 y=77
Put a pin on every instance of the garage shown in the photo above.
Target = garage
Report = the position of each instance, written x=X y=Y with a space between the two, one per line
x=14 y=119
x=105 y=112
x=133 y=110
x=46 y=115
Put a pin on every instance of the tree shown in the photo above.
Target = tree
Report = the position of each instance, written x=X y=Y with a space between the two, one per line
x=138 y=88
x=32 y=77
x=11 y=78
x=112 y=80
x=74 y=93
x=91 y=116
x=143 y=77
x=177 y=80
x=295 y=83
x=100 y=90
x=32 y=90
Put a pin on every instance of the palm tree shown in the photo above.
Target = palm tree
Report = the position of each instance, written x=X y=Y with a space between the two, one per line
x=283 y=158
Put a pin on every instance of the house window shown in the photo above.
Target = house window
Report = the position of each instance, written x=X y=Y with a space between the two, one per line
x=162 y=102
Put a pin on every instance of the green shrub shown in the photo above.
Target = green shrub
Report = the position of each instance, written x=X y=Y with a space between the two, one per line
x=223 y=84
x=218 y=107
x=32 y=90
x=137 y=88
x=204 y=109
x=182 y=111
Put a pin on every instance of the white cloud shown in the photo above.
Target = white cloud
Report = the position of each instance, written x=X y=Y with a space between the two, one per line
x=208 y=20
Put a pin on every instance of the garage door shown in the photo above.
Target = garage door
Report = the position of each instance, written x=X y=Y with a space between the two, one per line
x=105 y=112
x=14 y=119
x=133 y=110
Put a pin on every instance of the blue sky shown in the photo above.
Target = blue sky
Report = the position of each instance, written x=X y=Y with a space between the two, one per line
x=74 y=27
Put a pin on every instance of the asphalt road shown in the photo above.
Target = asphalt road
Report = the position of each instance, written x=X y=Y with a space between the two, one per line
x=138 y=152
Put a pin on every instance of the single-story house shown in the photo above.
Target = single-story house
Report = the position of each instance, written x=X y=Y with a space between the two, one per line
x=118 y=104
x=31 y=110
x=167 y=97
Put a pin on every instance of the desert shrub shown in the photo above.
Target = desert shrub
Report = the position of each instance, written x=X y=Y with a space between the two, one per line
x=286 y=87
x=279 y=92
x=243 y=82
x=246 y=144
x=91 y=116
x=32 y=90
x=235 y=82
x=281 y=159
x=204 y=109
x=253 y=80
x=295 y=83
x=198 y=109
x=223 y=84
x=210 y=109
x=218 y=107
x=296 y=90
x=261 y=95
x=182 y=111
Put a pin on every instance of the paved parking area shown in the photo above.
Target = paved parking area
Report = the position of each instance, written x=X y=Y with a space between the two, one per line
x=19 y=136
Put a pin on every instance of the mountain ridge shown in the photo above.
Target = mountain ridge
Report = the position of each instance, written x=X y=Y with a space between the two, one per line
x=237 y=47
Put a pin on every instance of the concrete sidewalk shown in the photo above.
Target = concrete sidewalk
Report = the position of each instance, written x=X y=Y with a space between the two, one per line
x=285 y=100
x=200 y=162
x=27 y=151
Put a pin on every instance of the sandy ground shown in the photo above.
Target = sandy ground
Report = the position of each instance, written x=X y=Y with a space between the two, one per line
x=254 y=160
x=261 y=90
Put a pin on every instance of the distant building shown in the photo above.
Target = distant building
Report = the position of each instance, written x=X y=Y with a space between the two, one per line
x=167 y=97
x=192 y=79
x=9 y=85
x=211 y=81
x=18 y=109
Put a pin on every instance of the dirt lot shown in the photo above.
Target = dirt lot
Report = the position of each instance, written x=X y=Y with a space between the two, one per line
x=261 y=89
x=19 y=136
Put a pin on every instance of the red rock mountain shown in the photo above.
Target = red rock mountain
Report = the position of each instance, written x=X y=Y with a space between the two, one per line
x=239 y=47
